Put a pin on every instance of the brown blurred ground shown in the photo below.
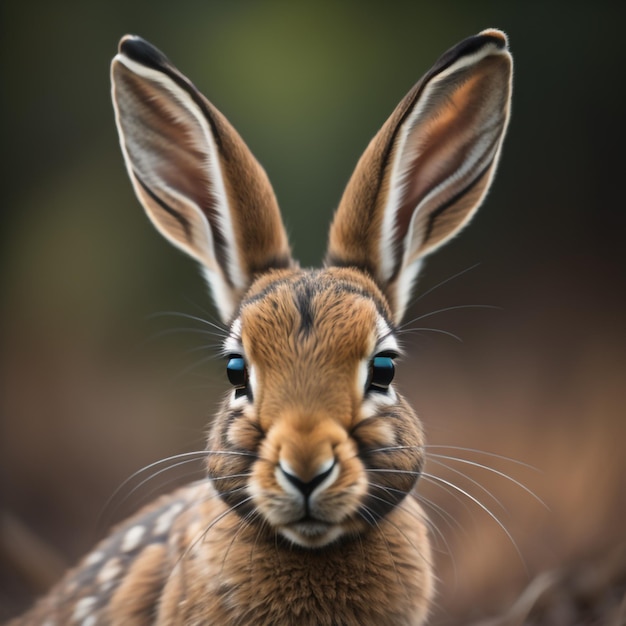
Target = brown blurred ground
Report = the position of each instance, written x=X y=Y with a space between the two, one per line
x=85 y=399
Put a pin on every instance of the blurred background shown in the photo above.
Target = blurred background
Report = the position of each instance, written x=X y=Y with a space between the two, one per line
x=93 y=386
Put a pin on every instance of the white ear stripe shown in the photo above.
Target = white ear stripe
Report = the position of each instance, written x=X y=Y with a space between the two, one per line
x=406 y=155
x=144 y=167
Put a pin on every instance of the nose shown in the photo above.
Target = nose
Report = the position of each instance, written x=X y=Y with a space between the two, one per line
x=306 y=487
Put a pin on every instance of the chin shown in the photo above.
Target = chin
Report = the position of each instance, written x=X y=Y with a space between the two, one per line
x=311 y=534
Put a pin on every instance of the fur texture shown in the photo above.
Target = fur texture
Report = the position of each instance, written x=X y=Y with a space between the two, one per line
x=308 y=514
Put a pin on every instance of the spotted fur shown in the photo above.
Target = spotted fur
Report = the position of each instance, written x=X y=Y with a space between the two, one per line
x=308 y=514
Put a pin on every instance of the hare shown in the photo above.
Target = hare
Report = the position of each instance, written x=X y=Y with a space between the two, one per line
x=308 y=513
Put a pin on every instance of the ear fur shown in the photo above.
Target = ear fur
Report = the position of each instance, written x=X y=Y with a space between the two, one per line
x=428 y=169
x=197 y=180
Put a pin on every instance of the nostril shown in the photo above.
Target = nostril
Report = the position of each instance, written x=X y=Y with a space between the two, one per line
x=307 y=487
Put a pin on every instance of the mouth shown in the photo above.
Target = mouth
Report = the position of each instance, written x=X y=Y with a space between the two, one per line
x=311 y=533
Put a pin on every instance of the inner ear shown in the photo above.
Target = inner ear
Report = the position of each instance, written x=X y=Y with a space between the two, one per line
x=448 y=155
x=427 y=170
x=195 y=177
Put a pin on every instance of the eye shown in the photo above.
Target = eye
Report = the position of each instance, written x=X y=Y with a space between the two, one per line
x=237 y=373
x=382 y=370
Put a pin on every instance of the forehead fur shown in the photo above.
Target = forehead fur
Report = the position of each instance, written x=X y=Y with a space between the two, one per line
x=296 y=309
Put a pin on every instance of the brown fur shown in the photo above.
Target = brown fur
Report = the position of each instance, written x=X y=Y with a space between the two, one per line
x=308 y=515
x=215 y=566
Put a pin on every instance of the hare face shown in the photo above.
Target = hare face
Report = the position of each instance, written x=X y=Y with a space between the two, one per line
x=314 y=443
x=319 y=420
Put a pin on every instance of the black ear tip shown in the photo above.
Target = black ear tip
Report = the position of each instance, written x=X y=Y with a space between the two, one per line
x=139 y=50
x=489 y=37
x=129 y=43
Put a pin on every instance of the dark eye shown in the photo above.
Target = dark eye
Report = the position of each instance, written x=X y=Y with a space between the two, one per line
x=237 y=373
x=382 y=370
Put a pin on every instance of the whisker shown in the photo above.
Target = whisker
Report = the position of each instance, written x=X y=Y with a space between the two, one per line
x=154 y=475
x=408 y=331
x=182 y=329
x=446 y=516
x=262 y=526
x=391 y=523
x=221 y=516
x=194 y=366
x=443 y=282
x=494 y=471
x=394 y=471
x=427 y=447
x=422 y=475
x=455 y=496
x=197 y=454
x=486 y=510
x=483 y=452
x=372 y=516
x=148 y=496
x=207 y=346
x=471 y=480
x=229 y=476
x=204 y=533
x=448 y=308
x=208 y=315
x=422 y=518
x=394 y=448
x=438 y=533
x=188 y=316
x=243 y=522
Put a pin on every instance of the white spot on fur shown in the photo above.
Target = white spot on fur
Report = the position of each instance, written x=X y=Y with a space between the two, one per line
x=93 y=558
x=111 y=569
x=83 y=608
x=133 y=538
x=164 y=521
x=91 y=620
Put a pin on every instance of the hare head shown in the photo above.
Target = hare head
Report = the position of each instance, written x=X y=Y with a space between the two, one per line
x=309 y=515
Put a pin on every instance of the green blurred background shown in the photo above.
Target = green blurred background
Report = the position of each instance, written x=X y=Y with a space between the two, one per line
x=92 y=389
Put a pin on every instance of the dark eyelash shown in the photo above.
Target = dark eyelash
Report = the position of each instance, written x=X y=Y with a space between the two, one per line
x=392 y=354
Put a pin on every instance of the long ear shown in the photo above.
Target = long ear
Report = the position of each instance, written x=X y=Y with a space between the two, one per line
x=428 y=169
x=193 y=174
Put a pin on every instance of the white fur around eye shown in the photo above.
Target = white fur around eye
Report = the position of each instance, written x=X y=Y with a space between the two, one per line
x=236 y=402
x=373 y=402
x=385 y=340
x=252 y=378
x=364 y=368
x=232 y=344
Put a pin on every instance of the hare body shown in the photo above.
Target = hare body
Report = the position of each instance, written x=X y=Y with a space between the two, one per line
x=175 y=579
x=308 y=514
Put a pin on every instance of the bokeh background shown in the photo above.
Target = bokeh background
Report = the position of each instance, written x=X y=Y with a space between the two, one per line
x=92 y=388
